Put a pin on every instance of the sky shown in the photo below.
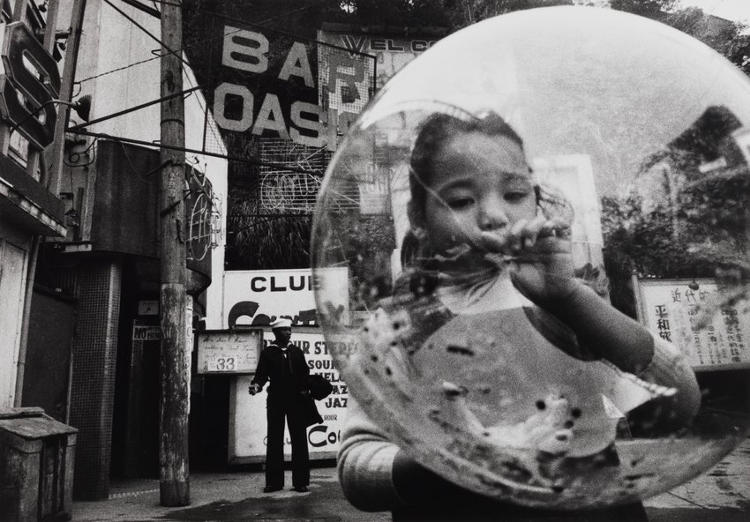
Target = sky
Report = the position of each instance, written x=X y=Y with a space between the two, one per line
x=738 y=10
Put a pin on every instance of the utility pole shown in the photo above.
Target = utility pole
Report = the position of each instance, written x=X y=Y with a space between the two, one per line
x=73 y=44
x=174 y=475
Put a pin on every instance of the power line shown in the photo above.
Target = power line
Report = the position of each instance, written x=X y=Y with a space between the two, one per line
x=220 y=37
x=118 y=69
x=147 y=32
x=183 y=93
x=241 y=159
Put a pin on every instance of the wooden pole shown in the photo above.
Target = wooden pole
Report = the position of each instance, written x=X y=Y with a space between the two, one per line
x=72 y=47
x=174 y=482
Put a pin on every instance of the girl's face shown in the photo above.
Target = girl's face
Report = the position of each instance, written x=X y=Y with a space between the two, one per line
x=479 y=184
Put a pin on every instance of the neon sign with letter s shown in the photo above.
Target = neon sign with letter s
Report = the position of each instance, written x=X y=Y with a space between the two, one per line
x=30 y=80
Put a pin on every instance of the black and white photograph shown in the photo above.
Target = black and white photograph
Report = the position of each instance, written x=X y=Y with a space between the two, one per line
x=375 y=260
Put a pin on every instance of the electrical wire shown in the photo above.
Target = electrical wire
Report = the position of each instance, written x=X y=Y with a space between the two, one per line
x=216 y=38
x=74 y=156
x=147 y=32
x=159 y=54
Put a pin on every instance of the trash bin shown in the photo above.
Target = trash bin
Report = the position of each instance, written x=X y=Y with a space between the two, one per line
x=37 y=454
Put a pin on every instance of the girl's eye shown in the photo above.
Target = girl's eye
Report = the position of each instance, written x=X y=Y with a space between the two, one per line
x=460 y=203
x=516 y=196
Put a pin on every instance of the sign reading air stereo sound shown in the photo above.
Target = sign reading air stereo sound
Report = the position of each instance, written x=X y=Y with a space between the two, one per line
x=29 y=81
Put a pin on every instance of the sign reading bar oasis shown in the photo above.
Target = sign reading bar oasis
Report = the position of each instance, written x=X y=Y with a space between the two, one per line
x=276 y=86
x=29 y=81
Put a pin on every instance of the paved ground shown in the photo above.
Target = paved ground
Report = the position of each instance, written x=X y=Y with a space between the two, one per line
x=720 y=495
x=228 y=496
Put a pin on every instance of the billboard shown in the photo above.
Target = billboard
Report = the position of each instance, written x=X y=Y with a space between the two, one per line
x=264 y=83
x=257 y=297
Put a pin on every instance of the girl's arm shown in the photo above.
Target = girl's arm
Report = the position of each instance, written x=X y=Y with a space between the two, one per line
x=376 y=475
x=612 y=335
x=542 y=269
x=365 y=463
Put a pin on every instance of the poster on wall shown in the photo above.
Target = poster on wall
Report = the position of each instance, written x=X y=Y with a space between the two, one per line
x=689 y=315
x=229 y=351
x=247 y=430
x=257 y=297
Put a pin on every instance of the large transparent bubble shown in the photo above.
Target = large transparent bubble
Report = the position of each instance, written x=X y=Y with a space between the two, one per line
x=449 y=325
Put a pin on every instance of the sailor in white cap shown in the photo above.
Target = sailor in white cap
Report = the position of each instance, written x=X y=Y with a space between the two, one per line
x=284 y=365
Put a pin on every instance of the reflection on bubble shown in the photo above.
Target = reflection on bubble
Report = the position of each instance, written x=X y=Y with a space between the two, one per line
x=546 y=244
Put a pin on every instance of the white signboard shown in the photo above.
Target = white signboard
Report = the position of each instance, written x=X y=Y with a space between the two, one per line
x=247 y=430
x=227 y=351
x=687 y=313
x=257 y=297
x=572 y=177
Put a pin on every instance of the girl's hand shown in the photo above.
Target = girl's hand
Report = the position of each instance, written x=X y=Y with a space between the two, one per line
x=538 y=254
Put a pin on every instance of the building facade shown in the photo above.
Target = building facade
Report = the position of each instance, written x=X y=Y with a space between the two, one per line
x=91 y=358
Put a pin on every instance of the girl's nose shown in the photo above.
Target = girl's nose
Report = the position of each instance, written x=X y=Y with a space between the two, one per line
x=492 y=216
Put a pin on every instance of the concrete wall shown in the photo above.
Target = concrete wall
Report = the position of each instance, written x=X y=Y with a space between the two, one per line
x=118 y=66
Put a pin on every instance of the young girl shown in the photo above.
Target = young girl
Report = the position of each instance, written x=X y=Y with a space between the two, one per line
x=553 y=366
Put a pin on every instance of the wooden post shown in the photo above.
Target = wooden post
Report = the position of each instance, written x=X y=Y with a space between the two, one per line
x=73 y=44
x=174 y=484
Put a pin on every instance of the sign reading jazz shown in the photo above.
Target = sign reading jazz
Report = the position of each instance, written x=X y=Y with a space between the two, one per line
x=29 y=81
x=270 y=85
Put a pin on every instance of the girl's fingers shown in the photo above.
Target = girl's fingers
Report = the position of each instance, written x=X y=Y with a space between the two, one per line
x=515 y=237
x=524 y=234
x=530 y=232
x=555 y=227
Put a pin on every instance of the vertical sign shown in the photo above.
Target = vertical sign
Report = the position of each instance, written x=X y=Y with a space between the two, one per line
x=710 y=330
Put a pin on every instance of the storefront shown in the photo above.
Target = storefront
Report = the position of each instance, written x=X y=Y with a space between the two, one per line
x=252 y=299
x=28 y=209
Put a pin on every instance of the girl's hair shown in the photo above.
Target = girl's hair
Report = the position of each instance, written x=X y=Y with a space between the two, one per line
x=439 y=128
x=434 y=133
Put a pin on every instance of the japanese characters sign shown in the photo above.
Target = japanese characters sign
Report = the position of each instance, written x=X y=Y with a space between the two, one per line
x=690 y=315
